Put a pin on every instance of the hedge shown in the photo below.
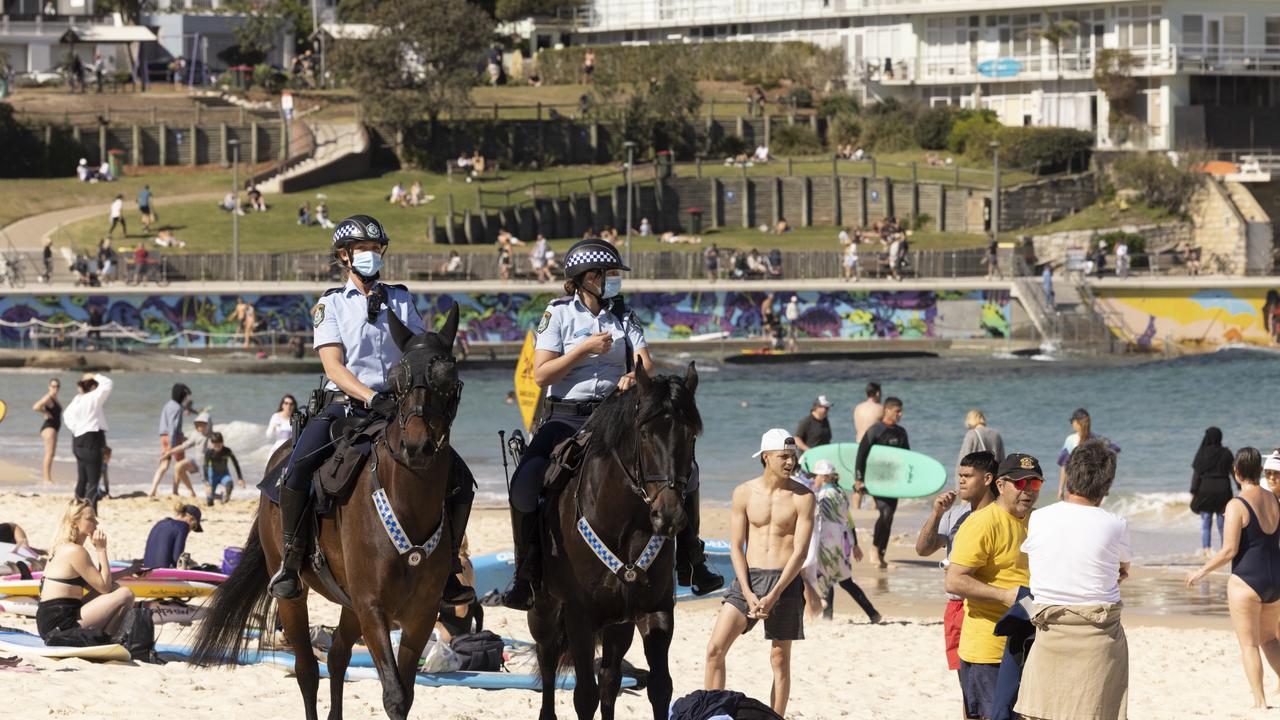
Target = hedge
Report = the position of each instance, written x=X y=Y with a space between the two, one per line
x=756 y=63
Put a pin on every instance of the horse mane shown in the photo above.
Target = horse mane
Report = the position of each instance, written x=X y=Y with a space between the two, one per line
x=618 y=416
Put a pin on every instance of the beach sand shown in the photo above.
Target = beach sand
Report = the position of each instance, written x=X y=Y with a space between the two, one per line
x=1184 y=661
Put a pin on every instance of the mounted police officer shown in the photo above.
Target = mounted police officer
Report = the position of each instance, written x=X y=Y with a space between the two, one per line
x=354 y=341
x=587 y=342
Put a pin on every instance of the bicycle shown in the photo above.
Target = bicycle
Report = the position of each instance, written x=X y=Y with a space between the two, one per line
x=11 y=272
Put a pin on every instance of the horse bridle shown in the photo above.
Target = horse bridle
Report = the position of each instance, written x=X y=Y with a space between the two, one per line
x=639 y=485
x=437 y=403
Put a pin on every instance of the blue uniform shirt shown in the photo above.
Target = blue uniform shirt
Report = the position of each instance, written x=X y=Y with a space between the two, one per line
x=565 y=324
x=342 y=318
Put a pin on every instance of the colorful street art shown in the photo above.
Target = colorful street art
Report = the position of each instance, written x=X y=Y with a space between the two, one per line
x=505 y=317
x=1149 y=318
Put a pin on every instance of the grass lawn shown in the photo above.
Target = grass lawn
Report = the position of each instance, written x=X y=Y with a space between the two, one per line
x=206 y=229
x=1102 y=214
x=33 y=196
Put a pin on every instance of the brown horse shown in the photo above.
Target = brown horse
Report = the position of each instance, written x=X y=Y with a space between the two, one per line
x=386 y=585
x=608 y=554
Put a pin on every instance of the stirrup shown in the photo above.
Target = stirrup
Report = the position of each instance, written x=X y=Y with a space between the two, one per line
x=519 y=596
x=704 y=580
x=286 y=584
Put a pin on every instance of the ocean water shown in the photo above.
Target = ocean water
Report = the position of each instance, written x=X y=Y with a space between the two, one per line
x=1156 y=411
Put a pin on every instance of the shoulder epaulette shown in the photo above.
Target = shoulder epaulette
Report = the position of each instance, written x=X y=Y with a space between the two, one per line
x=561 y=300
x=331 y=291
x=396 y=287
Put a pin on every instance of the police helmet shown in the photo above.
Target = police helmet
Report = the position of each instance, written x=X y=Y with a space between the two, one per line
x=592 y=254
x=358 y=228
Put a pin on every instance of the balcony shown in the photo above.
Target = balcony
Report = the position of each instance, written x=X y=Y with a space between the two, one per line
x=943 y=68
x=1229 y=59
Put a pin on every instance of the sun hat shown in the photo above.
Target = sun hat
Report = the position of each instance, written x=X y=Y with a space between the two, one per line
x=204 y=418
x=823 y=467
x=776 y=439
x=1272 y=462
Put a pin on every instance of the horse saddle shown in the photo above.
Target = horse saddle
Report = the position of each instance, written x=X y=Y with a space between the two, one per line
x=353 y=439
x=565 y=460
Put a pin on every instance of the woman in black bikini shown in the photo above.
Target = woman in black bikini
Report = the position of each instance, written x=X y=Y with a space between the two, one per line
x=1253 y=590
x=71 y=571
x=49 y=406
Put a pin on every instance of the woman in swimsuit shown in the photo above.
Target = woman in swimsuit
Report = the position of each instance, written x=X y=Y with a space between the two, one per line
x=1252 y=545
x=71 y=571
x=49 y=406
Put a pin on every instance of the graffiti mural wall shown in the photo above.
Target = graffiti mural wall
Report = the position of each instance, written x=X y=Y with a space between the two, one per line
x=1193 y=316
x=501 y=317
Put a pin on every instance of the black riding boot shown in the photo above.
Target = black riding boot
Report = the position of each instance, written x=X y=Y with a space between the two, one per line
x=524 y=527
x=691 y=562
x=286 y=585
x=456 y=592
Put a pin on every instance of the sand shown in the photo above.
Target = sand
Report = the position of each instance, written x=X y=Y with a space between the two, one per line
x=1182 y=665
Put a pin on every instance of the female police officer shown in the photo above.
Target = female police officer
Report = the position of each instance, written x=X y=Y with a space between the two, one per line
x=353 y=339
x=587 y=341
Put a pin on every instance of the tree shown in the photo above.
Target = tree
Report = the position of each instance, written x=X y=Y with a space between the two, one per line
x=422 y=60
x=519 y=9
x=1055 y=33
x=658 y=115
x=1114 y=77
x=130 y=10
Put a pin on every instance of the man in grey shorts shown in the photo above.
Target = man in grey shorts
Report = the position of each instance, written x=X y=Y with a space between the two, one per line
x=771 y=522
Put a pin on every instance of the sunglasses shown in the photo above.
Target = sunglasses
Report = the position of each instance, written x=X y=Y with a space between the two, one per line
x=1025 y=483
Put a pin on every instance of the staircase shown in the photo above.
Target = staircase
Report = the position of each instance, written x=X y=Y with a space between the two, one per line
x=341 y=152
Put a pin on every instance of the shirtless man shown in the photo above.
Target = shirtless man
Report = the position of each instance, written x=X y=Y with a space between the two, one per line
x=773 y=517
x=868 y=412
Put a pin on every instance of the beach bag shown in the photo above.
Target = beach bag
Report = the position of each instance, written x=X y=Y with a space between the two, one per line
x=231 y=559
x=479 y=652
x=138 y=635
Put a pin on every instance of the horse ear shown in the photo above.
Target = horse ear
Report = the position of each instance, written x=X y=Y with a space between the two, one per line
x=691 y=378
x=450 y=330
x=400 y=333
x=642 y=377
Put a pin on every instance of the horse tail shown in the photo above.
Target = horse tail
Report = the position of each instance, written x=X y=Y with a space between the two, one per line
x=240 y=603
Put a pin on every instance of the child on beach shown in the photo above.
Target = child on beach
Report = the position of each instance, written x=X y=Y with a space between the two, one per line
x=216 y=471
x=772 y=518
x=197 y=443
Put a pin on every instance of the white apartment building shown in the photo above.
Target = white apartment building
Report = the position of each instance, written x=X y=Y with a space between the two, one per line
x=1208 y=72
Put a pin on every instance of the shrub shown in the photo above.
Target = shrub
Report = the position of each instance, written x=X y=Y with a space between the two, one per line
x=888 y=133
x=268 y=78
x=795 y=140
x=934 y=127
x=1046 y=149
x=1160 y=183
x=755 y=63
x=844 y=129
x=729 y=146
x=966 y=124
x=838 y=104
x=801 y=97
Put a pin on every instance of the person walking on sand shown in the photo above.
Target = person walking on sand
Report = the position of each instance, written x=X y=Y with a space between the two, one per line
x=890 y=433
x=976 y=490
x=771 y=523
x=87 y=422
x=868 y=412
x=1081 y=430
x=987 y=567
x=171 y=436
x=814 y=429
x=1211 y=486
x=1252 y=546
x=834 y=544
x=979 y=437
x=49 y=406
x=1078 y=555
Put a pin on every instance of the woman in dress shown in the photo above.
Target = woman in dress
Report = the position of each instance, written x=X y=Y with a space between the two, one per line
x=280 y=426
x=49 y=406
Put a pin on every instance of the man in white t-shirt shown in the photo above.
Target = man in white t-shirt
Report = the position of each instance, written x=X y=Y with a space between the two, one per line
x=117 y=216
x=1078 y=555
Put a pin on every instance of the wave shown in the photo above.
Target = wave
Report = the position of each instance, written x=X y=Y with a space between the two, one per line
x=1153 y=510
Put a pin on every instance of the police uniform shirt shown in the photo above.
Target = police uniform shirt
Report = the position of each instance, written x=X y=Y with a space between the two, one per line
x=368 y=350
x=565 y=325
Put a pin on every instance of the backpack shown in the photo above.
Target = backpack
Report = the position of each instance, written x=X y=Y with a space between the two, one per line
x=479 y=651
x=138 y=635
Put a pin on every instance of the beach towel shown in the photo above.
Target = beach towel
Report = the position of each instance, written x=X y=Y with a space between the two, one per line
x=1079 y=665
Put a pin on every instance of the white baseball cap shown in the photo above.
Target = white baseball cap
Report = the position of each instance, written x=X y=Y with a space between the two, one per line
x=823 y=467
x=822 y=401
x=1272 y=462
x=202 y=418
x=776 y=439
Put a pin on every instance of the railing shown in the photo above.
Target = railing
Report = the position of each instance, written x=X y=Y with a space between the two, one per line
x=1268 y=159
x=1233 y=59
x=154 y=115
x=940 y=65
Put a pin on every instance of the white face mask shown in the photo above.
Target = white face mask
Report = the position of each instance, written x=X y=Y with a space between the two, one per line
x=612 y=286
x=367 y=263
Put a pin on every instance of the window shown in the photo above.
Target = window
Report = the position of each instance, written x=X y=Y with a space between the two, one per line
x=1233 y=30
x=1192 y=29
x=1273 y=33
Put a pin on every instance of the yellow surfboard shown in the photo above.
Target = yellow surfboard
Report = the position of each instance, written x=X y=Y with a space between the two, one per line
x=141 y=587
x=528 y=394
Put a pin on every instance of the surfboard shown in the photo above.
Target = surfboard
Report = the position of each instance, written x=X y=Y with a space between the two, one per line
x=29 y=645
x=494 y=571
x=3 y=410
x=144 y=588
x=891 y=472
x=161 y=612
x=158 y=574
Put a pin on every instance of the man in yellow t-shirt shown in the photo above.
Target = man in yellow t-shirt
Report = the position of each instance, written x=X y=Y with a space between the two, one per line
x=987 y=568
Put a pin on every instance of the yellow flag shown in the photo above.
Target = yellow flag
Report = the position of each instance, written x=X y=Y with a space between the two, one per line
x=528 y=394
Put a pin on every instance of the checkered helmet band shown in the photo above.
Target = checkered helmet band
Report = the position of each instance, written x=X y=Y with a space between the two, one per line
x=357 y=228
x=592 y=254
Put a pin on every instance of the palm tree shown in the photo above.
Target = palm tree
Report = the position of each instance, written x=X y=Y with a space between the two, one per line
x=1055 y=33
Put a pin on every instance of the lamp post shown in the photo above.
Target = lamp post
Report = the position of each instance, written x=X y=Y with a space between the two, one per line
x=995 y=190
x=631 y=148
x=235 y=211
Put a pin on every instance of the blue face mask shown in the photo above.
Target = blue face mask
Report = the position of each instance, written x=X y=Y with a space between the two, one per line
x=612 y=286
x=367 y=263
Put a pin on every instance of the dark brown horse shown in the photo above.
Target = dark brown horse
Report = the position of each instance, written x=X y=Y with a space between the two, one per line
x=412 y=463
x=608 y=554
